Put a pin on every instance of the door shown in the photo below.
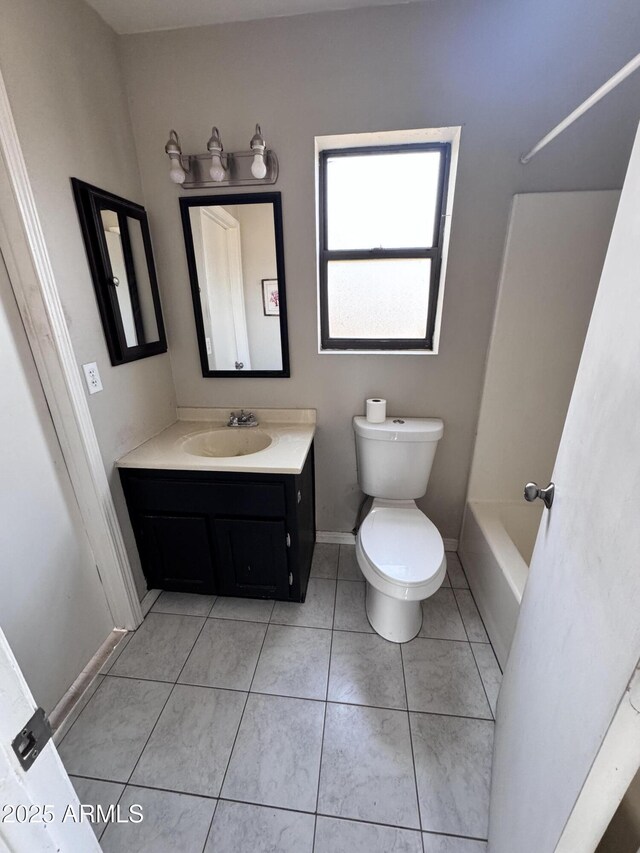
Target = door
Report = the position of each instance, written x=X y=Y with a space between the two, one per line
x=45 y=783
x=49 y=585
x=577 y=641
x=223 y=302
x=253 y=558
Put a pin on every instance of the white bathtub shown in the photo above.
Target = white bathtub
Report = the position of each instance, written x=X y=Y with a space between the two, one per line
x=496 y=544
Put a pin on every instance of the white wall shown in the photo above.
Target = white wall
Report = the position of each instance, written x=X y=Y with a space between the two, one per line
x=52 y=608
x=505 y=71
x=62 y=72
x=555 y=249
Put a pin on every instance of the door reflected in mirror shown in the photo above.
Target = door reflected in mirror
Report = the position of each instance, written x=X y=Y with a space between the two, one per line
x=133 y=293
x=148 y=327
x=234 y=249
x=113 y=239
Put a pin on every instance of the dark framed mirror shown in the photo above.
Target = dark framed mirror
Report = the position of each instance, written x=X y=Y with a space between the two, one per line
x=118 y=244
x=235 y=255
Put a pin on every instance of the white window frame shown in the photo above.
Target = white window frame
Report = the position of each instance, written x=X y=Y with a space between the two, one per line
x=450 y=135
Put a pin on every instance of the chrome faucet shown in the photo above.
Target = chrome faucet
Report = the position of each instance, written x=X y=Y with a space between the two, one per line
x=244 y=419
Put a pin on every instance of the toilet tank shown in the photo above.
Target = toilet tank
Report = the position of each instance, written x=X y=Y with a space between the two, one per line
x=395 y=457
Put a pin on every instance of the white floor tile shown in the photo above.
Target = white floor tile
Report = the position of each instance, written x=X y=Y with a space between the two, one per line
x=225 y=654
x=171 y=822
x=489 y=672
x=185 y=603
x=442 y=678
x=453 y=768
x=294 y=662
x=325 y=560
x=470 y=616
x=243 y=828
x=349 y=836
x=276 y=758
x=348 y=568
x=367 y=770
x=366 y=670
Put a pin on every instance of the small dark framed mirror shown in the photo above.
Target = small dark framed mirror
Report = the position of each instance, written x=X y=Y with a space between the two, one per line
x=235 y=255
x=118 y=244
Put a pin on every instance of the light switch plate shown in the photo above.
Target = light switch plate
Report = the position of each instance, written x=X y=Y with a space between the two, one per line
x=92 y=377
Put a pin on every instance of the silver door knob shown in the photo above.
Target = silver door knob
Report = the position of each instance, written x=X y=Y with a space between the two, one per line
x=533 y=491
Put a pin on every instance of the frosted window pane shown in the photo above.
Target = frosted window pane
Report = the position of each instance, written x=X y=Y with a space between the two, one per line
x=385 y=201
x=379 y=298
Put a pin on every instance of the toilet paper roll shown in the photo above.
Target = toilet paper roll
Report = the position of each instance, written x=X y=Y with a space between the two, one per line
x=376 y=410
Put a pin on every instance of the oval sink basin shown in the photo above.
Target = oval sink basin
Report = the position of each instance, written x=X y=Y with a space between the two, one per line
x=227 y=443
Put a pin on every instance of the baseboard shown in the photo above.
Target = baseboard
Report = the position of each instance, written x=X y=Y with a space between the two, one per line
x=149 y=600
x=337 y=537
x=66 y=711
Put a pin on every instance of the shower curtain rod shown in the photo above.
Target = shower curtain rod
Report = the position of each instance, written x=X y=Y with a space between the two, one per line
x=614 y=81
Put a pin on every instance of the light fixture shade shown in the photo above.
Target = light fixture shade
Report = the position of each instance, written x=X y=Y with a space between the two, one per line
x=259 y=147
x=174 y=152
x=217 y=170
x=215 y=143
x=176 y=172
x=214 y=146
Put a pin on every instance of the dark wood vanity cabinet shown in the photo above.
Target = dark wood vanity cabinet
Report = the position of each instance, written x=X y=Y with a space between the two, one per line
x=247 y=535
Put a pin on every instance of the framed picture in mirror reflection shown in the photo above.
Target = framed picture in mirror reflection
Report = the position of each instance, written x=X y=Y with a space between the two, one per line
x=270 y=297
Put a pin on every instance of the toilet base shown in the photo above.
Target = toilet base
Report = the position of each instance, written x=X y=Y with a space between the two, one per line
x=396 y=620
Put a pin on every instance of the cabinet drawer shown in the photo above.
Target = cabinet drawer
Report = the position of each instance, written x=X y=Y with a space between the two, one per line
x=266 y=500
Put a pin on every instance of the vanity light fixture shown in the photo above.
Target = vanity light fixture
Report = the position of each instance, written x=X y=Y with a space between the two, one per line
x=177 y=172
x=217 y=168
x=214 y=146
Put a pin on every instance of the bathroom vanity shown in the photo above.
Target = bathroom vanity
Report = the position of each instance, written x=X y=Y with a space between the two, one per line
x=240 y=525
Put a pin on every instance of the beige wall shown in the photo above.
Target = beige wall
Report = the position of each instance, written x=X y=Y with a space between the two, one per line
x=554 y=254
x=62 y=72
x=506 y=71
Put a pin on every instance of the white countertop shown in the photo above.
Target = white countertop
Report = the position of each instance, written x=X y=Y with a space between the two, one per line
x=291 y=432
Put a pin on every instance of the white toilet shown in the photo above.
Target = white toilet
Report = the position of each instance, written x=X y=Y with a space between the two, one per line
x=399 y=551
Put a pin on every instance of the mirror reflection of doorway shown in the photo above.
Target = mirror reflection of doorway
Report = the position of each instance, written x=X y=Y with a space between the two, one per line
x=116 y=258
x=219 y=263
x=235 y=258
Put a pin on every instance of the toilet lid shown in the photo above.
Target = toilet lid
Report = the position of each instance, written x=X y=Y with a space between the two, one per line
x=402 y=543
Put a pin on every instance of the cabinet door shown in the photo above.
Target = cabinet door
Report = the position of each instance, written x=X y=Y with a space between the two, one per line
x=253 y=558
x=176 y=552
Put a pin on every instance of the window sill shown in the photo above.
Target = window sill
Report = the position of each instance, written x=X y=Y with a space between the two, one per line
x=377 y=351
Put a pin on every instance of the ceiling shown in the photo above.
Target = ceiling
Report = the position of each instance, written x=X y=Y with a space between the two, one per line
x=138 y=16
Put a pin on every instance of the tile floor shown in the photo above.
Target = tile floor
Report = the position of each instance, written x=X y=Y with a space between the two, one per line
x=246 y=726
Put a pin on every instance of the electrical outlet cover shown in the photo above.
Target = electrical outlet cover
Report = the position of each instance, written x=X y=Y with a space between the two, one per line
x=92 y=377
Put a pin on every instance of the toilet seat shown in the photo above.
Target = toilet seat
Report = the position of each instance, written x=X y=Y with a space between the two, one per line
x=402 y=549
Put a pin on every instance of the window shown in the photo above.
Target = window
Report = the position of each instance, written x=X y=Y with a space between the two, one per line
x=381 y=238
